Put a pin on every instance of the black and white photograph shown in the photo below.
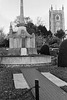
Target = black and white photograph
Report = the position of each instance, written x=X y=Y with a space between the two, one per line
x=33 y=50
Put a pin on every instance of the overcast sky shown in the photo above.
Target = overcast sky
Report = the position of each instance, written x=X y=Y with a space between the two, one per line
x=9 y=9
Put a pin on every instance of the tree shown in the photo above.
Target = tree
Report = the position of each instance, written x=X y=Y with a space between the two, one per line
x=42 y=29
x=49 y=33
x=60 y=34
x=28 y=20
x=2 y=35
x=3 y=41
x=31 y=28
x=17 y=20
x=39 y=21
x=53 y=41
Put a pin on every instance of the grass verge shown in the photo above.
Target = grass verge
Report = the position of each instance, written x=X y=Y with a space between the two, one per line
x=57 y=71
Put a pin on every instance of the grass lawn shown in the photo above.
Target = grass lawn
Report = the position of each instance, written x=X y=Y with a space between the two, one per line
x=7 y=89
x=57 y=71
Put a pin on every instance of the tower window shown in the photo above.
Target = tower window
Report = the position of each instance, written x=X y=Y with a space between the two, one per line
x=57 y=17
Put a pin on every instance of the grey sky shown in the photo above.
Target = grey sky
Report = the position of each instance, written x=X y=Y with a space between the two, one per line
x=9 y=9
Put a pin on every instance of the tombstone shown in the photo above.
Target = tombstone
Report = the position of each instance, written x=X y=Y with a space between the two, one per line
x=62 y=56
x=45 y=50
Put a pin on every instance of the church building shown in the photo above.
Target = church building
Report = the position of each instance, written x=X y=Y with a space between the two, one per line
x=56 y=20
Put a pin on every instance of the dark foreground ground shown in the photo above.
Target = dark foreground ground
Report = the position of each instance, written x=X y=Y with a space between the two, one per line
x=8 y=91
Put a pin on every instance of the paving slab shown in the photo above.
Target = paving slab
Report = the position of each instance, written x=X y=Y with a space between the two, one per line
x=19 y=81
x=54 y=79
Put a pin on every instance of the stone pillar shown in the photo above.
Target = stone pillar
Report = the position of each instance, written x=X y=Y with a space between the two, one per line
x=32 y=41
x=15 y=43
x=27 y=43
x=19 y=42
x=21 y=12
x=11 y=43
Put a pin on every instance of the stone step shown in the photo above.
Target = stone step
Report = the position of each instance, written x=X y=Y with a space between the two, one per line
x=19 y=81
x=54 y=79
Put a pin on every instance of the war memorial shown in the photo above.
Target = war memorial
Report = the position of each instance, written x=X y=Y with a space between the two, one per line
x=22 y=49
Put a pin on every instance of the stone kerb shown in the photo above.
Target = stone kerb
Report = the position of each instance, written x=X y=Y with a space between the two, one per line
x=24 y=60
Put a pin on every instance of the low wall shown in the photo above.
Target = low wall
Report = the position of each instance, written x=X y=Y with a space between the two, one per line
x=23 y=60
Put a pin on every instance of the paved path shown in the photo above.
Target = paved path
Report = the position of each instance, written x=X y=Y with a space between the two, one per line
x=19 y=81
x=54 y=79
x=48 y=90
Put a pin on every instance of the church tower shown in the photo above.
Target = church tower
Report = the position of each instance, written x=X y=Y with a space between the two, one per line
x=56 y=20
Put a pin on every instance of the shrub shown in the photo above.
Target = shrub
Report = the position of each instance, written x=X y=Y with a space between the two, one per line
x=45 y=50
x=62 y=56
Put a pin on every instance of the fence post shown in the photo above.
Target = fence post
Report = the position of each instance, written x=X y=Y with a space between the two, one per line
x=37 y=89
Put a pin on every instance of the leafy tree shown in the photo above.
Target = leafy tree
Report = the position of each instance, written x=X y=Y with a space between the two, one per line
x=42 y=29
x=53 y=41
x=60 y=34
x=2 y=34
x=28 y=20
x=31 y=28
x=49 y=33
x=3 y=41
x=28 y=23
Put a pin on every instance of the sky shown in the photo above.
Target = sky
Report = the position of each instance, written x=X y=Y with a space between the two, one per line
x=9 y=9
